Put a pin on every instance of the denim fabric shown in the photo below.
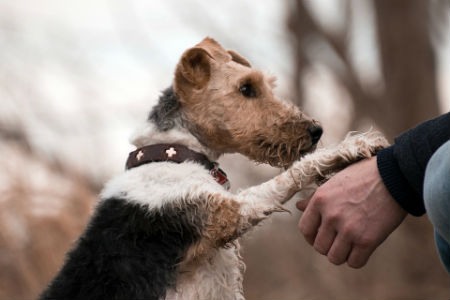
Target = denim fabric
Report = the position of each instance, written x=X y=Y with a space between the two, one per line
x=437 y=199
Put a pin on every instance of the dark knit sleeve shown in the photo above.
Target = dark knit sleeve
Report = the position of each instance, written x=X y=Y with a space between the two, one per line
x=402 y=165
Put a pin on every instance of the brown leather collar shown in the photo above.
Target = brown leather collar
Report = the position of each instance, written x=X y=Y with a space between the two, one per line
x=175 y=153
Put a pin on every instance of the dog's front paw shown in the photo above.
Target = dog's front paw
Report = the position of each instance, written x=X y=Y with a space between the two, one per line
x=362 y=145
x=322 y=164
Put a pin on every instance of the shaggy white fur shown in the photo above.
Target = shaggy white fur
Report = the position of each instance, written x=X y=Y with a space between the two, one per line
x=220 y=275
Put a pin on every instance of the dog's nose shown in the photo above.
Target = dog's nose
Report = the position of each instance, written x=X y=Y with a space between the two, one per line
x=315 y=131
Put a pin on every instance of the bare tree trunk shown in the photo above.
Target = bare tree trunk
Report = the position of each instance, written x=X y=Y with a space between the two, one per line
x=407 y=63
x=301 y=25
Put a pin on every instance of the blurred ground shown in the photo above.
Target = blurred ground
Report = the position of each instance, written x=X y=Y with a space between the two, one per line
x=42 y=212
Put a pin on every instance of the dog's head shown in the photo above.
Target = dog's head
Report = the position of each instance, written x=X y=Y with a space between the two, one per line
x=230 y=107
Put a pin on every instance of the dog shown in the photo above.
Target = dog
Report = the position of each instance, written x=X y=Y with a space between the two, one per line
x=168 y=227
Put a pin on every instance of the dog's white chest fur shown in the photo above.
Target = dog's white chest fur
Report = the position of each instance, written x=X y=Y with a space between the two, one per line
x=218 y=274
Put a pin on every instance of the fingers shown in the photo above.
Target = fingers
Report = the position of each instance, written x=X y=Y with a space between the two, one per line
x=302 y=204
x=319 y=235
x=324 y=240
x=339 y=251
x=360 y=254
x=358 y=258
x=340 y=246
x=309 y=224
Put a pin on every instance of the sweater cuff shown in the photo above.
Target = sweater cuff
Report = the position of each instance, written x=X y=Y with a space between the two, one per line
x=397 y=184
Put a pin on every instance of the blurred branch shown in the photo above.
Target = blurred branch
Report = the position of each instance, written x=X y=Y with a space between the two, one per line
x=304 y=26
x=406 y=55
x=15 y=135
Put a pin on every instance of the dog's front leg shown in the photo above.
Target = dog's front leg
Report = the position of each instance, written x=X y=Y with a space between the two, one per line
x=314 y=168
x=226 y=217
x=229 y=216
x=271 y=194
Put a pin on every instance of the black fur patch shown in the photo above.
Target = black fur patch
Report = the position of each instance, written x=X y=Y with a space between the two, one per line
x=165 y=113
x=127 y=252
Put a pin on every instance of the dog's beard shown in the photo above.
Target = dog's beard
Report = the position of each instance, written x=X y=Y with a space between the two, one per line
x=280 y=154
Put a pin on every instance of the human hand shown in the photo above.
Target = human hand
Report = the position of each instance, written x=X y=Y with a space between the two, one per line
x=349 y=216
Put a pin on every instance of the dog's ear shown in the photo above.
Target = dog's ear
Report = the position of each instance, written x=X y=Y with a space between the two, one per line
x=239 y=59
x=194 y=68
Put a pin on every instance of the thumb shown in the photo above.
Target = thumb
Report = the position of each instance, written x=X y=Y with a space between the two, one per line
x=302 y=204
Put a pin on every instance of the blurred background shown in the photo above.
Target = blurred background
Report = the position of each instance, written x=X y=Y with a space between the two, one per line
x=76 y=78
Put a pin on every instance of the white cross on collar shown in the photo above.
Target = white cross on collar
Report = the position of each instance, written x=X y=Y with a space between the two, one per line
x=171 y=152
x=139 y=155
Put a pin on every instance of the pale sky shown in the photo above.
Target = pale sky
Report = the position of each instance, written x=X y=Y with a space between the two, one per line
x=97 y=66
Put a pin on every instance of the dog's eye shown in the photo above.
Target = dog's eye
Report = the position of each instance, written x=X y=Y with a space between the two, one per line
x=247 y=90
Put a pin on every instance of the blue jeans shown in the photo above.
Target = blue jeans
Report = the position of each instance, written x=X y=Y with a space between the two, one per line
x=436 y=192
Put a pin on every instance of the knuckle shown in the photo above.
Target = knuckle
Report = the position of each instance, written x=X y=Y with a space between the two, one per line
x=305 y=230
x=302 y=228
x=351 y=231
x=333 y=218
x=303 y=225
x=365 y=242
x=348 y=232
x=319 y=198
x=309 y=236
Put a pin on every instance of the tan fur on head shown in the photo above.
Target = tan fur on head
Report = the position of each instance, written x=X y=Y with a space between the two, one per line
x=239 y=59
x=194 y=69
x=230 y=107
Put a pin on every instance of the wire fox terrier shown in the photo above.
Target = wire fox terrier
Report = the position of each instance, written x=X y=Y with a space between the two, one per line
x=167 y=228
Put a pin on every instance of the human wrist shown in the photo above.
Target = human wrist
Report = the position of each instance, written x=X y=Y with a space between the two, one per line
x=396 y=183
